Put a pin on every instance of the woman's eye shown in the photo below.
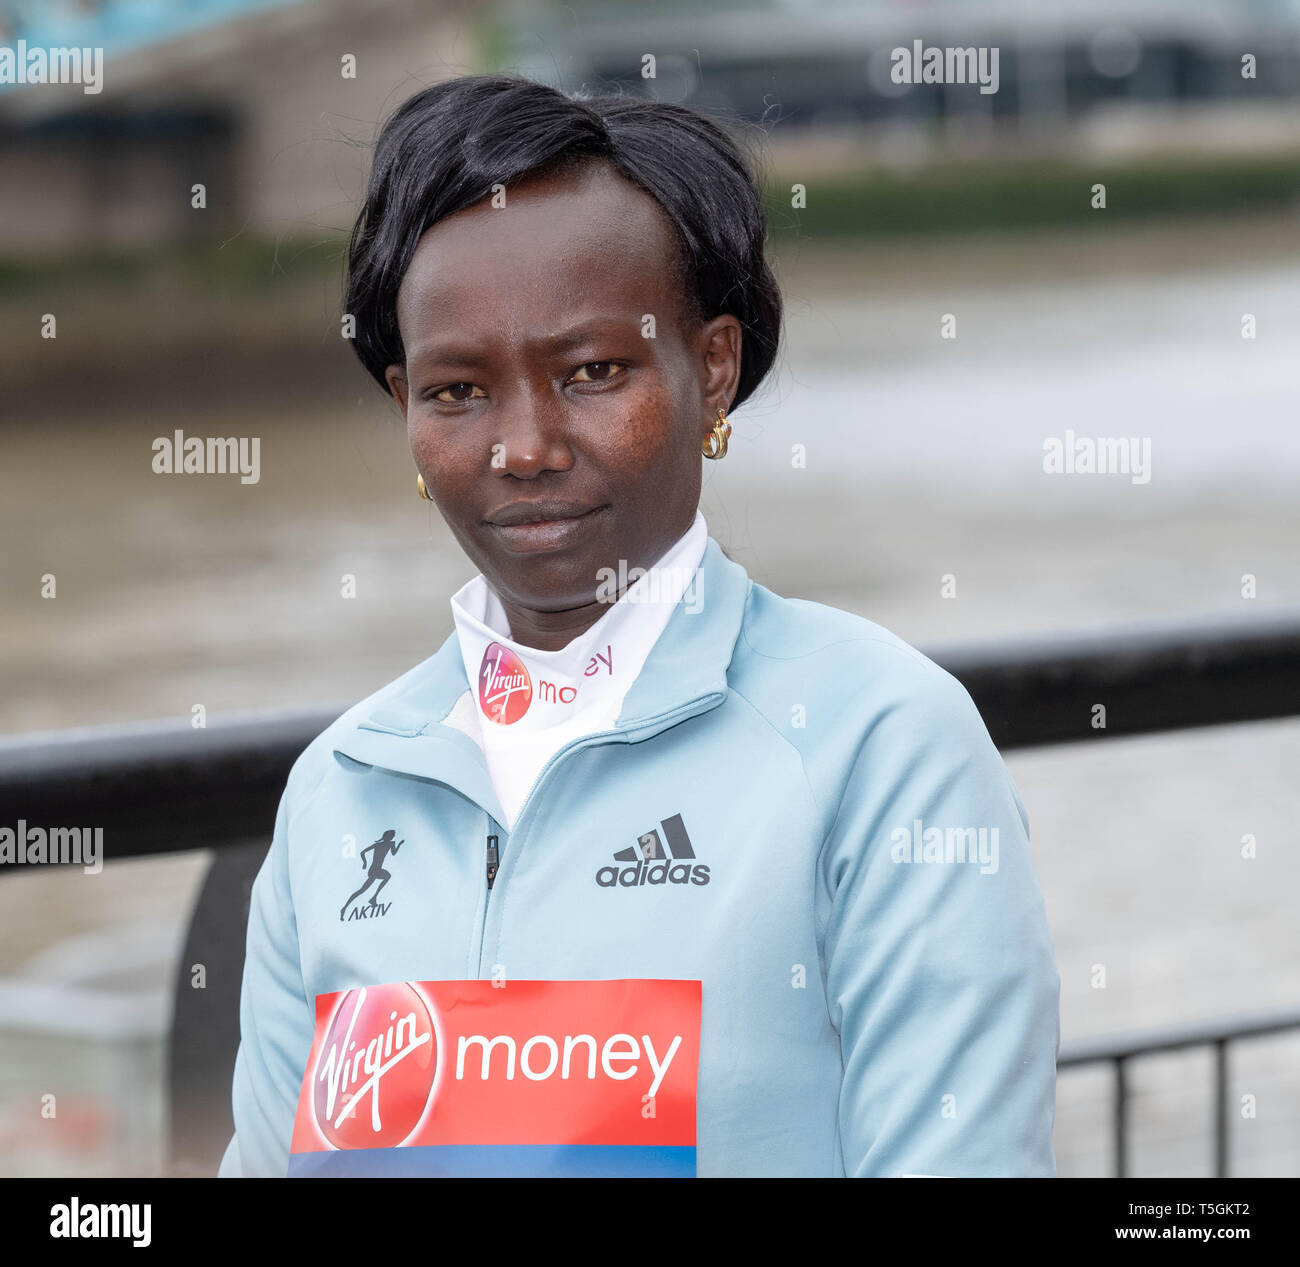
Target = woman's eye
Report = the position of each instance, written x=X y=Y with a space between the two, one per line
x=454 y=393
x=597 y=372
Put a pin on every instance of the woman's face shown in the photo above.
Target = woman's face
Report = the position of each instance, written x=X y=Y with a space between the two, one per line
x=548 y=360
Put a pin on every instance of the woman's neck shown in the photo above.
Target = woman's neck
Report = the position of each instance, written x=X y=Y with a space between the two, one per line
x=551 y=630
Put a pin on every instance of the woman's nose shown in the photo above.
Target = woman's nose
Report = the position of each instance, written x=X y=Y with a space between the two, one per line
x=534 y=433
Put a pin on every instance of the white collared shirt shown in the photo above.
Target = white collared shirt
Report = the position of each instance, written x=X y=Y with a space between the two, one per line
x=523 y=704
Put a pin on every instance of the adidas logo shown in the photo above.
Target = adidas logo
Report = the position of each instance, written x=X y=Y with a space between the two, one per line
x=651 y=865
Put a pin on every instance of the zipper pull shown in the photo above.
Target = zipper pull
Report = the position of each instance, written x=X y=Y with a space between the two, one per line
x=493 y=860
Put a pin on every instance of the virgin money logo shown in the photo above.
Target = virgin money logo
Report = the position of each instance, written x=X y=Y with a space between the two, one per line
x=374 y=1076
x=504 y=688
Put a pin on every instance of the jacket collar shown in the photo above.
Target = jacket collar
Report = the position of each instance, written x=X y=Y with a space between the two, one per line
x=685 y=673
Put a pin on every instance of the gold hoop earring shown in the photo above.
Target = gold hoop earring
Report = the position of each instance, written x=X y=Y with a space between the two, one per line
x=715 y=443
x=424 y=492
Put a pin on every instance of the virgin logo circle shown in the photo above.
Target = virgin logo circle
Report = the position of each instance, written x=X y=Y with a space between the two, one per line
x=504 y=688
x=375 y=1073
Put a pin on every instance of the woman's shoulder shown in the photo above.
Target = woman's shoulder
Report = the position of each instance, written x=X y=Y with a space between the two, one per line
x=404 y=705
x=840 y=688
x=793 y=653
x=800 y=637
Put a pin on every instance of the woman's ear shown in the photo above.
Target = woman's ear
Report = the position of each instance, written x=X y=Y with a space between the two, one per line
x=395 y=376
x=722 y=339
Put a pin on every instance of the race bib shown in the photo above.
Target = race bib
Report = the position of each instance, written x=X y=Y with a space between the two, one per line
x=541 y=1078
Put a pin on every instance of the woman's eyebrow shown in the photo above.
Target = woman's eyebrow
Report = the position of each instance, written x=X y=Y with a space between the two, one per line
x=448 y=353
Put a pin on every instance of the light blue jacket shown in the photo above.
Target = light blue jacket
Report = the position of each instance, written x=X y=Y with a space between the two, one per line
x=868 y=1008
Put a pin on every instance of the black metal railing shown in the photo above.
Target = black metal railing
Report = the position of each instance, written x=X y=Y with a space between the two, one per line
x=165 y=787
x=1119 y=1050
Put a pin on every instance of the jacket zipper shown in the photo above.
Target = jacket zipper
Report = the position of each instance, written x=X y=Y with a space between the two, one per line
x=493 y=843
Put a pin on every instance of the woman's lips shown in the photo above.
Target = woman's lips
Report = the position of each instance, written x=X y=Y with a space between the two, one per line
x=549 y=534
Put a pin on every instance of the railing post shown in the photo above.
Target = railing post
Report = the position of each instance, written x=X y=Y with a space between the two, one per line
x=1221 y=1109
x=1121 y=1114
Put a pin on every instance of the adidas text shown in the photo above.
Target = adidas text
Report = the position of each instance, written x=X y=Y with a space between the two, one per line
x=664 y=872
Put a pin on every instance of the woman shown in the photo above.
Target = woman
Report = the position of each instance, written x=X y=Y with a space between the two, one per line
x=697 y=879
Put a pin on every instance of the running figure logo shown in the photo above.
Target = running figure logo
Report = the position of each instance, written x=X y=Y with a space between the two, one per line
x=378 y=851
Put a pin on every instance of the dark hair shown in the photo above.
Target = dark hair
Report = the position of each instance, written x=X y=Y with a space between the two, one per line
x=443 y=149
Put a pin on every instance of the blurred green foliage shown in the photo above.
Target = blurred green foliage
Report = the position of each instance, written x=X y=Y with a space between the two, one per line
x=249 y=264
x=960 y=196
x=983 y=195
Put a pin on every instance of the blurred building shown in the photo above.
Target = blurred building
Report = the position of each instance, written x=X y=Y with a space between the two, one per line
x=820 y=61
x=1075 y=72
x=250 y=98
x=246 y=97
